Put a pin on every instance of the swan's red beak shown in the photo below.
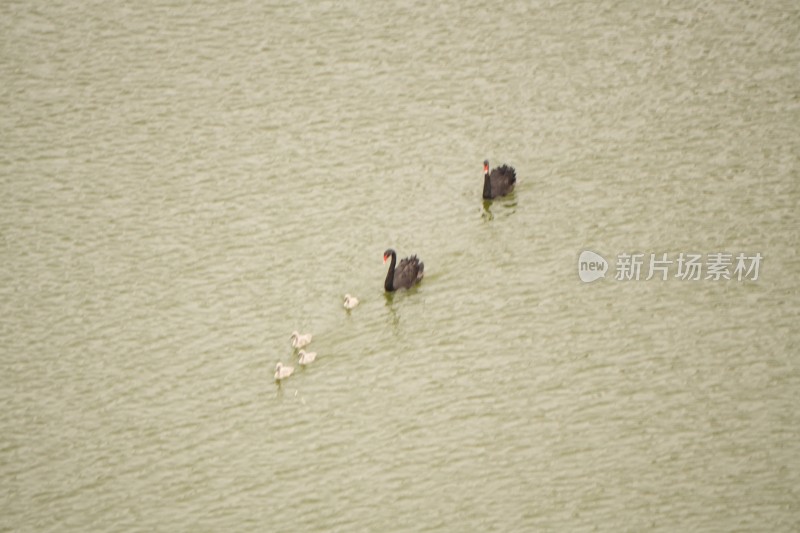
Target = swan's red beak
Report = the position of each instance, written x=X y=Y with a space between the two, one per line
x=485 y=169
x=384 y=259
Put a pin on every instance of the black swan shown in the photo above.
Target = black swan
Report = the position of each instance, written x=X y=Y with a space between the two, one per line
x=500 y=182
x=409 y=272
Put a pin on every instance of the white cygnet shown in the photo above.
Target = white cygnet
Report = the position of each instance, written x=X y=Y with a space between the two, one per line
x=283 y=372
x=300 y=341
x=306 y=357
x=350 y=301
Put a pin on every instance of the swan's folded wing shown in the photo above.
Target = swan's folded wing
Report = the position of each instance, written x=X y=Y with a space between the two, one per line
x=508 y=173
x=408 y=272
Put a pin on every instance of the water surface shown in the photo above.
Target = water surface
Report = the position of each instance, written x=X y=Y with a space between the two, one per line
x=185 y=184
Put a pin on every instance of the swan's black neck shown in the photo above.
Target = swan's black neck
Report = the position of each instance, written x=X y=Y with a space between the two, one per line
x=487 y=186
x=389 y=283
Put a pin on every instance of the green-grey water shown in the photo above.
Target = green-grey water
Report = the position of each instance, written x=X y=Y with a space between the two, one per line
x=185 y=184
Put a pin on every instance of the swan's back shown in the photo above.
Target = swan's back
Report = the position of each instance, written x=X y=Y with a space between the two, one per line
x=408 y=272
x=502 y=180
